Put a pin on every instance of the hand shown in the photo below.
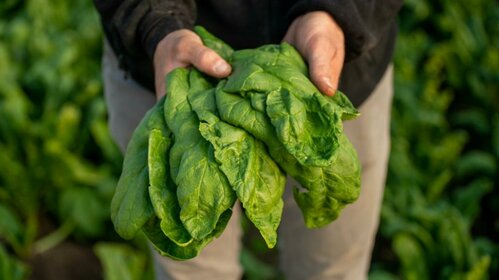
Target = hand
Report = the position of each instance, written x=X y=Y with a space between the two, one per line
x=183 y=48
x=321 y=41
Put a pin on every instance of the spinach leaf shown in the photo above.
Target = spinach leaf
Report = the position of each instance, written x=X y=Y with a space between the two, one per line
x=131 y=206
x=328 y=189
x=121 y=262
x=169 y=249
x=162 y=190
x=304 y=126
x=179 y=118
x=202 y=189
x=212 y=42
x=255 y=177
x=238 y=111
x=307 y=122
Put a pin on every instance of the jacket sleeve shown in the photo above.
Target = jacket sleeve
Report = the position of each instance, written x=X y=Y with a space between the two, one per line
x=135 y=27
x=363 y=22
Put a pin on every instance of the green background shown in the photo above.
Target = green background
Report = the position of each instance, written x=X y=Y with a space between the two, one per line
x=59 y=166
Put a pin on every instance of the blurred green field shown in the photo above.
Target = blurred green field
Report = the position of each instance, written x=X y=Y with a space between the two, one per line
x=59 y=166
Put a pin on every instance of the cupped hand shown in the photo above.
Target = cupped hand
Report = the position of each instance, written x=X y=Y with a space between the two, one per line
x=183 y=48
x=321 y=41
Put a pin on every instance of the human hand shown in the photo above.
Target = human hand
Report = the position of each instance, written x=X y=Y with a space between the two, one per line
x=321 y=41
x=183 y=48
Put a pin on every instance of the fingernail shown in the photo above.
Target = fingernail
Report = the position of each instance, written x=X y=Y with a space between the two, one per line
x=221 y=67
x=331 y=90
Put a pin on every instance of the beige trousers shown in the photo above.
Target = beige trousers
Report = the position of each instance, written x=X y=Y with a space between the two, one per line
x=341 y=250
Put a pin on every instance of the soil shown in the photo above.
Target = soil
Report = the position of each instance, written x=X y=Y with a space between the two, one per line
x=66 y=261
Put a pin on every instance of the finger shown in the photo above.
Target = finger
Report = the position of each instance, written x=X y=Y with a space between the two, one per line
x=181 y=49
x=290 y=34
x=208 y=61
x=325 y=63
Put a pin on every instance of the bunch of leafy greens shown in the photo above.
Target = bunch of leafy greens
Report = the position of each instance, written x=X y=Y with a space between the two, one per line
x=202 y=146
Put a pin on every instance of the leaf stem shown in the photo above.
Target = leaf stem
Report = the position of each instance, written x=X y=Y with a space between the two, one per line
x=53 y=239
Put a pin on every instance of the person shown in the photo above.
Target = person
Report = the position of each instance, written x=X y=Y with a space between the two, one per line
x=347 y=45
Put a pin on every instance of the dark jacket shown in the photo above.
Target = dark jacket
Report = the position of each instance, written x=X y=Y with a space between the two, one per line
x=134 y=28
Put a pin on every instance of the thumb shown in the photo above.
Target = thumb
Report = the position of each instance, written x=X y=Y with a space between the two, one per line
x=325 y=64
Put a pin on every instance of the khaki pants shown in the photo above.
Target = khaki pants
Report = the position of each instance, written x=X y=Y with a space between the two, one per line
x=341 y=250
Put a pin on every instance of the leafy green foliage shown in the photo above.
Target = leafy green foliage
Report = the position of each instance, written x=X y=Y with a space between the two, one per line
x=131 y=206
x=214 y=154
x=293 y=103
x=59 y=164
x=187 y=251
x=254 y=176
x=54 y=142
x=259 y=98
x=120 y=262
x=11 y=268
x=266 y=84
x=162 y=190
x=443 y=165
x=202 y=189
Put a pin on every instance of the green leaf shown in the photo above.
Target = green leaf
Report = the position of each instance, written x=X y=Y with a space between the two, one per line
x=328 y=189
x=83 y=208
x=412 y=257
x=474 y=163
x=239 y=112
x=11 y=229
x=479 y=271
x=162 y=190
x=468 y=199
x=455 y=239
x=202 y=189
x=254 y=176
x=255 y=269
x=131 y=206
x=68 y=125
x=307 y=122
x=169 y=249
x=341 y=100
x=100 y=132
x=308 y=128
x=120 y=262
x=179 y=118
x=212 y=42
x=381 y=275
x=248 y=76
x=10 y=267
